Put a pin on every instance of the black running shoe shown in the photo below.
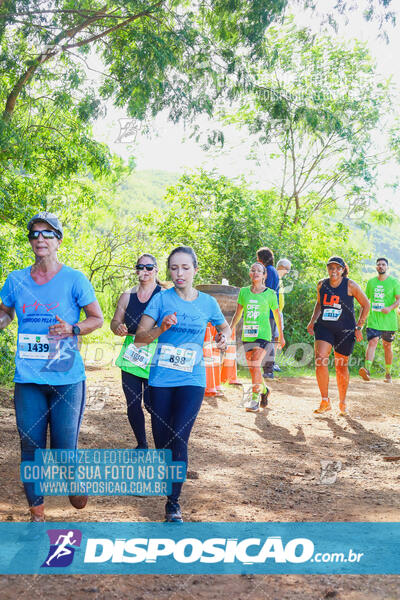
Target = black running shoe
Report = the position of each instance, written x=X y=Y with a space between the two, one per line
x=264 y=399
x=173 y=513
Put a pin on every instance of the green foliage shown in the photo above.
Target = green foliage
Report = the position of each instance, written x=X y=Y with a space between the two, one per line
x=143 y=191
x=167 y=54
x=7 y=350
x=317 y=102
x=226 y=222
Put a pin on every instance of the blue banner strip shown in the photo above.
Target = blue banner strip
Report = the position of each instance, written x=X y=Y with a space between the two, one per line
x=195 y=548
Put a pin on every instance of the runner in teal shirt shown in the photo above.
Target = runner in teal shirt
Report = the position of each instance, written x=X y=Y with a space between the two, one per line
x=178 y=318
x=48 y=298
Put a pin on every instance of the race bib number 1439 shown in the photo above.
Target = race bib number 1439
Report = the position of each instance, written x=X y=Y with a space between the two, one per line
x=35 y=346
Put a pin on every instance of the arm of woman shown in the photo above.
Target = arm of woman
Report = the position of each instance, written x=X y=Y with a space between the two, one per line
x=237 y=316
x=7 y=314
x=223 y=335
x=316 y=312
x=365 y=304
x=94 y=320
x=117 y=324
x=147 y=330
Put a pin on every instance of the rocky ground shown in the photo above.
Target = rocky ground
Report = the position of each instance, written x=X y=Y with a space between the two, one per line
x=243 y=467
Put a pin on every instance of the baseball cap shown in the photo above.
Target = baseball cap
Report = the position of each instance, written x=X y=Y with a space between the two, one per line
x=49 y=218
x=338 y=260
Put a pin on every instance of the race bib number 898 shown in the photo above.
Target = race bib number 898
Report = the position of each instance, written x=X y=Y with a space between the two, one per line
x=179 y=359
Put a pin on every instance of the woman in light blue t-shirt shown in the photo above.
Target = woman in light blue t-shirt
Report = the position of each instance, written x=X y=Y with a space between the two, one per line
x=47 y=298
x=178 y=317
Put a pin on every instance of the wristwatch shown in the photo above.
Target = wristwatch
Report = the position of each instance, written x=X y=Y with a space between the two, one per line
x=76 y=330
x=358 y=327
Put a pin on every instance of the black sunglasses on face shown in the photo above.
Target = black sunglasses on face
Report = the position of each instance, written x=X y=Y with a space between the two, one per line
x=47 y=234
x=147 y=267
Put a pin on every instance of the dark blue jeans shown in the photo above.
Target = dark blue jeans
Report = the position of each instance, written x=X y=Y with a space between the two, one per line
x=173 y=413
x=269 y=359
x=135 y=388
x=38 y=406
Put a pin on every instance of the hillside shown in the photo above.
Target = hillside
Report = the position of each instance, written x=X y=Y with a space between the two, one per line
x=143 y=191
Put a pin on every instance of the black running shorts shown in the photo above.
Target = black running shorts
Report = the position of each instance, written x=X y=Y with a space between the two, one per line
x=342 y=340
x=258 y=343
x=388 y=336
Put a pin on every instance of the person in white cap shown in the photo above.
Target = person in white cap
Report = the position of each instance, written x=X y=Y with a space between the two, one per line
x=47 y=298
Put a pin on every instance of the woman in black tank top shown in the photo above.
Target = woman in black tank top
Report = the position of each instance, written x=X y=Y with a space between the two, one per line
x=128 y=313
x=333 y=325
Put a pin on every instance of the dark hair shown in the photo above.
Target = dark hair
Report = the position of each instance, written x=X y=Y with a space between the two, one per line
x=266 y=256
x=338 y=260
x=385 y=259
x=187 y=250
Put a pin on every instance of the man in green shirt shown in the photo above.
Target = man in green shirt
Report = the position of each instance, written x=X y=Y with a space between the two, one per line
x=383 y=292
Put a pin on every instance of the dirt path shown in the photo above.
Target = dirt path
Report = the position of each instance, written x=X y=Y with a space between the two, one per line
x=243 y=467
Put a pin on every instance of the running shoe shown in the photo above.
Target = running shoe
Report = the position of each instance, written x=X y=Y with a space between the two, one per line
x=323 y=407
x=253 y=406
x=37 y=514
x=342 y=409
x=173 y=513
x=268 y=375
x=277 y=368
x=264 y=399
x=388 y=378
x=365 y=374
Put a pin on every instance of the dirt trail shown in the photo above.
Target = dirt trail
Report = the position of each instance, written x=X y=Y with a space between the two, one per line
x=243 y=467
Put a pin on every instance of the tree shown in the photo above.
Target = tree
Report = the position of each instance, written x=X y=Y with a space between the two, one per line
x=226 y=222
x=145 y=55
x=156 y=54
x=319 y=103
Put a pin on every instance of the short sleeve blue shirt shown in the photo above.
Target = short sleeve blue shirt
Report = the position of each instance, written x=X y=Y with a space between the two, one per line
x=186 y=336
x=36 y=307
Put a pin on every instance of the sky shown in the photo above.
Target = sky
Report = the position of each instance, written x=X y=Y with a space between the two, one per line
x=169 y=147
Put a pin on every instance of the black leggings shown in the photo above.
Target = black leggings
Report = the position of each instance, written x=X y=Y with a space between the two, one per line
x=173 y=413
x=135 y=388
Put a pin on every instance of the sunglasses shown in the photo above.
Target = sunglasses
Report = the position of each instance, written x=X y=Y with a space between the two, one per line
x=47 y=234
x=147 y=267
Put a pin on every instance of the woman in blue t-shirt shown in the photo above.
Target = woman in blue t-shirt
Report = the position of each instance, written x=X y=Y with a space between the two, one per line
x=47 y=298
x=178 y=318
x=135 y=363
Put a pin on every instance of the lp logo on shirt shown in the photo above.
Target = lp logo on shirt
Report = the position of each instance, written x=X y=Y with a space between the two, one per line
x=332 y=301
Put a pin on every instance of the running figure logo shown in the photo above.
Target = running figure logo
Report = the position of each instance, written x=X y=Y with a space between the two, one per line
x=61 y=553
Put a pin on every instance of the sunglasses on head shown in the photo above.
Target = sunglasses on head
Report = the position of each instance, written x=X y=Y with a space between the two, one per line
x=47 y=234
x=147 y=267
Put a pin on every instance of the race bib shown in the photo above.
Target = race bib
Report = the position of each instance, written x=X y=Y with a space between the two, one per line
x=377 y=306
x=32 y=345
x=250 y=331
x=179 y=359
x=138 y=356
x=331 y=314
